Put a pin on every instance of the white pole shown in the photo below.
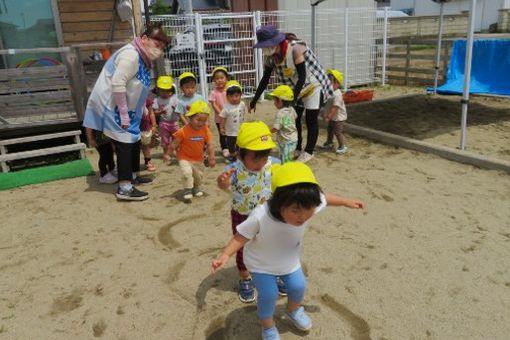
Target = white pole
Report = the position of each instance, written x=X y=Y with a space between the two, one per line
x=313 y=28
x=385 y=46
x=438 y=51
x=346 y=48
x=201 y=55
x=467 y=75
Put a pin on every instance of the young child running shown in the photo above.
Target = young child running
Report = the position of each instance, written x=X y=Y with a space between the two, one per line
x=272 y=237
x=148 y=130
x=249 y=179
x=335 y=114
x=232 y=116
x=188 y=85
x=218 y=98
x=106 y=163
x=164 y=107
x=285 y=123
x=189 y=141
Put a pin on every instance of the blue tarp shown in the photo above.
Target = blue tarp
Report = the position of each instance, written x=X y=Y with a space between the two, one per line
x=490 y=71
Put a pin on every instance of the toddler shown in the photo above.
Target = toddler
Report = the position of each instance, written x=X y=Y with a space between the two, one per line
x=218 y=98
x=148 y=128
x=189 y=141
x=249 y=179
x=272 y=237
x=106 y=163
x=164 y=108
x=188 y=85
x=335 y=114
x=285 y=123
x=232 y=116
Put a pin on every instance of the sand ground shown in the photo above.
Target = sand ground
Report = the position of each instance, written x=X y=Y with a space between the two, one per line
x=426 y=259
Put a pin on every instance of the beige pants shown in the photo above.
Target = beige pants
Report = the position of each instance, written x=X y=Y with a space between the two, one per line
x=192 y=173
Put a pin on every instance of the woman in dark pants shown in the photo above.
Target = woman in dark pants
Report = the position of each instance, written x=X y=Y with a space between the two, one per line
x=295 y=65
x=116 y=105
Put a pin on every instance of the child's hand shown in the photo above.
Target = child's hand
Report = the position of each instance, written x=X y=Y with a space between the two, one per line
x=327 y=119
x=224 y=178
x=355 y=204
x=167 y=158
x=212 y=162
x=219 y=263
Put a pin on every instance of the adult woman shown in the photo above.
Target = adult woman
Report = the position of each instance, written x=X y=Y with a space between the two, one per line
x=117 y=101
x=295 y=65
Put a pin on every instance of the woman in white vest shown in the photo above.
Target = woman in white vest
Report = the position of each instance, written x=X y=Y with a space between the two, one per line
x=297 y=66
x=117 y=101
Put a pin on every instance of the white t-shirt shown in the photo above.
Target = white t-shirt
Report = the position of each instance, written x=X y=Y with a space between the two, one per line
x=167 y=104
x=274 y=247
x=337 y=101
x=234 y=117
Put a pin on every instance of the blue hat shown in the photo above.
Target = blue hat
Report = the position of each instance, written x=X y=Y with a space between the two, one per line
x=268 y=36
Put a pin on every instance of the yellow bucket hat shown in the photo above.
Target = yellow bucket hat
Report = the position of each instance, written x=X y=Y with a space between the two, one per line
x=291 y=173
x=198 y=107
x=284 y=92
x=255 y=136
x=165 y=82
x=339 y=76
x=218 y=69
x=186 y=75
x=233 y=83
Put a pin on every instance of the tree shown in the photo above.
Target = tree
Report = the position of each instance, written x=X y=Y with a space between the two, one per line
x=159 y=7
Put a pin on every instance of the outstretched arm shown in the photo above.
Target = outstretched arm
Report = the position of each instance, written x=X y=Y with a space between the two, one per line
x=223 y=179
x=236 y=243
x=338 y=201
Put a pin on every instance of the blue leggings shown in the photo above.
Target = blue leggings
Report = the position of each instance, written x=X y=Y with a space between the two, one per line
x=295 y=284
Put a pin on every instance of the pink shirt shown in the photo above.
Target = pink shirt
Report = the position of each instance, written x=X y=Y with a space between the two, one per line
x=220 y=98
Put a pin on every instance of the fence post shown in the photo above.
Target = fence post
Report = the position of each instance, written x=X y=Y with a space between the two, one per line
x=257 y=52
x=408 y=61
x=346 y=48
x=385 y=46
x=201 y=55
x=75 y=80
x=446 y=52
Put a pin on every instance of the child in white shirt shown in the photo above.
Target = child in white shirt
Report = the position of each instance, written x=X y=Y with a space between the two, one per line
x=232 y=116
x=335 y=114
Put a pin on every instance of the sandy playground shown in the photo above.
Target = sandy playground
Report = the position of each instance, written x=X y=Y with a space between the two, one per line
x=427 y=259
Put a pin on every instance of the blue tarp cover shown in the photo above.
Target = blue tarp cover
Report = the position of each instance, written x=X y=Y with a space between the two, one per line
x=490 y=71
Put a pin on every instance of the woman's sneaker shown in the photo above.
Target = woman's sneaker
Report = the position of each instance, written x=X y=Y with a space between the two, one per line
x=300 y=319
x=341 y=150
x=270 y=334
x=225 y=153
x=246 y=291
x=304 y=157
x=327 y=146
x=131 y=195
x=140 y=180
x=109 y=178
x=282 y=291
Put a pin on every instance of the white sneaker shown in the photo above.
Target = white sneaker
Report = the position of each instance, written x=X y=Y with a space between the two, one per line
x=342 y=150
x=225 y=153
x=297 y=153
x=109 y=178
x=304 y=157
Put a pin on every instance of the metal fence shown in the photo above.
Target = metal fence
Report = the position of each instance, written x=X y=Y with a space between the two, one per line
x=350 y=40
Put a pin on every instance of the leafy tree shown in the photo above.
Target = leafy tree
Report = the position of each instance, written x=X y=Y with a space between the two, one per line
x=159 y=7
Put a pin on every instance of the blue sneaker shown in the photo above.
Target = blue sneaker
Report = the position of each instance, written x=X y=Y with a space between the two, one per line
x=246 y=291
x=270 y=334
x=300 y=319
x=282 y=291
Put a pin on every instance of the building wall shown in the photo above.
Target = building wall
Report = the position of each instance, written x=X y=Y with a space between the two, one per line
x=253 y=5
x=290 y=5
x=85 y=21
x=504 y=21
x=414 y=26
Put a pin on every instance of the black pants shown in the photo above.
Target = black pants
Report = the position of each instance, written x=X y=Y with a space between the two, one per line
x=106 y=162
x=128 y=159
x=223 y=138
x=312 y=127
x=231 y=144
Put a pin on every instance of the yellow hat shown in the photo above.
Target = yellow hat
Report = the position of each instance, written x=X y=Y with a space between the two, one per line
x=284 y=92
x=186 y=75
x=219 y=68
x=339 y=76
x=255 y=136
x=291 y=173
x=164 y=83
x=233 y=83
x=198 y=107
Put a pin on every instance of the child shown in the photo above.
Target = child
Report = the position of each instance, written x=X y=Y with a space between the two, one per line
x=148 y=133
x=285 y=123
x=164 y=107
x=218 y=98
x=106 y=163
x=272 y=237
x=189 y=141
x=250 y=181
x=232 y=116
x=188 y=85
x=335 y=114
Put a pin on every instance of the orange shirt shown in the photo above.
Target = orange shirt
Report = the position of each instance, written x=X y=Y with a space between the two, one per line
x=191 y=143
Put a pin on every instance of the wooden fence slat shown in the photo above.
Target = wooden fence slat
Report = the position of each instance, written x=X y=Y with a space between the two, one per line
x=94 y=26
x=32 y=98
x=95 y=35
x=65 y=7
x=41 y=110
x=410 y=79
x=40 y=137
x=26 y=87
x=414 y=56
x=33 y=72
x=85 y=16
x=410 y=70
x=42 y=152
